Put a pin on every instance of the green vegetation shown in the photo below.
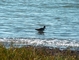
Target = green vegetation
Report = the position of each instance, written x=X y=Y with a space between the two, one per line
x=37 y=53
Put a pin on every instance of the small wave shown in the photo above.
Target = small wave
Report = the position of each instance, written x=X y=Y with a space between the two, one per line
x=58 y=43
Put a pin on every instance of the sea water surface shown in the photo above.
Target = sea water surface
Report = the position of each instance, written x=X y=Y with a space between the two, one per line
x=20 y=18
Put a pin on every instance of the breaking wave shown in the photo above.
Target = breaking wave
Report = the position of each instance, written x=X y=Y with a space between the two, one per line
x=56 y=43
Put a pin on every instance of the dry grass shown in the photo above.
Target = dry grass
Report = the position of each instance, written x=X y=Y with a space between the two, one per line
x=37 y=53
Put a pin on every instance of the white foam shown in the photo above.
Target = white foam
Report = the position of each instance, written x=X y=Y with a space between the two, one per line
x=42 y=42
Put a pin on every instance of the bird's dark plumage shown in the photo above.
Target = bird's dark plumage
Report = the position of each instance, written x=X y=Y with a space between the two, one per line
x=40 y=29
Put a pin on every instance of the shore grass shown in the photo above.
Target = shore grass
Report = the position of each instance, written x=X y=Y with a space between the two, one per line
x=37 y=53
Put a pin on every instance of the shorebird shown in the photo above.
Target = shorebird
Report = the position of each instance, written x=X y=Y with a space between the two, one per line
x=40 y=29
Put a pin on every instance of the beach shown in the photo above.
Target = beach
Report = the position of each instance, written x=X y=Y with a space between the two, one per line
x=21 y=21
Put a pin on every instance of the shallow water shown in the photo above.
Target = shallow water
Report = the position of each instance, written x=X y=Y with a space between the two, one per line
x=18 y=19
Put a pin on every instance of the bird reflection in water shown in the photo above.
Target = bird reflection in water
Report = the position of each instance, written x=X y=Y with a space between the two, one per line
x=41 y=33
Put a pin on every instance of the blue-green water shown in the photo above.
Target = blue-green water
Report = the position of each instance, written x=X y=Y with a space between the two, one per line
x=19 y=18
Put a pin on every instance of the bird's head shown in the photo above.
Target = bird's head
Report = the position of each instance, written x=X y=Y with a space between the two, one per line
x=44 y=26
